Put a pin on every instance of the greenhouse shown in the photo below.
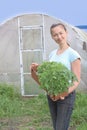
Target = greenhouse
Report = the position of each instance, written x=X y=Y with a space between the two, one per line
x=26 y=39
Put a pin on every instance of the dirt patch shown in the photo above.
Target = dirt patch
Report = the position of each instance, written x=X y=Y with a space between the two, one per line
x=22 y=123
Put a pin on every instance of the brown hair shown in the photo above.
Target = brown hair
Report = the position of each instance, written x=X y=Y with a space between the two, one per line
x=57 y=24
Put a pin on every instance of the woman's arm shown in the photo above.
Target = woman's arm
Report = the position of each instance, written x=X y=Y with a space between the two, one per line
x=33 y=68
x=76 y=69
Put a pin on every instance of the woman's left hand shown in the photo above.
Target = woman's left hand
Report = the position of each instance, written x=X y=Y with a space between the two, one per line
x=60 y=96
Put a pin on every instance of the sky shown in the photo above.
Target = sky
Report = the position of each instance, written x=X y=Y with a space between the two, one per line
x=71 y=11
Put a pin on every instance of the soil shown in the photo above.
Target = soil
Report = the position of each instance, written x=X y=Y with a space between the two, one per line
x=19 y=123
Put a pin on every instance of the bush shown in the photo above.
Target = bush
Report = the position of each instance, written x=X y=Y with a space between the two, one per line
x=10 y=104
x=8 y=91
x=54 y=77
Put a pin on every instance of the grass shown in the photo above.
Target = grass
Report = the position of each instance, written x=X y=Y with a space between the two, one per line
x=21 y=113
x=79 y=117
x=82 y=126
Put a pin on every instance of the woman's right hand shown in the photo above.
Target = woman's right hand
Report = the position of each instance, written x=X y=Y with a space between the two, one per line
x=33 y=66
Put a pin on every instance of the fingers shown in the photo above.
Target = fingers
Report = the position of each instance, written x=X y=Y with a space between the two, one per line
x=55 y=98
x=62 y=98
x=33 y=66
x=52 y=97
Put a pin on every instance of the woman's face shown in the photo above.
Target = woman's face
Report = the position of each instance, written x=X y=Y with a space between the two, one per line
x=59 y=34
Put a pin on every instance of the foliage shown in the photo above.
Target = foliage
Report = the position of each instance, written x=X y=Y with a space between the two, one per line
x=82 y=126
x=33 y=113
x=54 y=77
x=9 y=100
x=79 y=116
x=8 y=91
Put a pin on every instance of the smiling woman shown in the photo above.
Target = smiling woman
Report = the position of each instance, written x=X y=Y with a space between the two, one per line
x=62 y=105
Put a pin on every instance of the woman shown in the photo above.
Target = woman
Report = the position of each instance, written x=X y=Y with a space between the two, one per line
x=62 y=105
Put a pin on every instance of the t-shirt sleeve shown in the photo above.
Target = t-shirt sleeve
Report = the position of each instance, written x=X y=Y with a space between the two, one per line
x=74 y=55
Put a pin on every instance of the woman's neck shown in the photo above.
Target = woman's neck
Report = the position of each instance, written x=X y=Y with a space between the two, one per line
x=62 y=48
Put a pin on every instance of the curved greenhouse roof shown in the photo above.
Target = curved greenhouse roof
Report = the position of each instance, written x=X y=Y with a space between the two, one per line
x=25 y=39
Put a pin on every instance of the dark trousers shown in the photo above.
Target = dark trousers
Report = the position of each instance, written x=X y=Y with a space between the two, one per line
x=61 y=111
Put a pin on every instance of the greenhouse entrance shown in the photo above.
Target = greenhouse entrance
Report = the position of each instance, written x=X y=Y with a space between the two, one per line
x=31 y=51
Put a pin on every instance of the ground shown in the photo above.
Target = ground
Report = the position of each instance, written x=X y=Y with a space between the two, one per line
x=19 y=123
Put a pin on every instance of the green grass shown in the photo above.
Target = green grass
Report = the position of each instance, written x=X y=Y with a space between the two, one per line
x=33 y=113
x=82 y=126
x=79 y=117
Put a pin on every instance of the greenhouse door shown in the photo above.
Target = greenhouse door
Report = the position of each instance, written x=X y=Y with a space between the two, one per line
x=31 y=50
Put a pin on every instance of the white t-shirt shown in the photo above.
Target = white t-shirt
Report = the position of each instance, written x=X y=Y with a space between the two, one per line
x=68 y=56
